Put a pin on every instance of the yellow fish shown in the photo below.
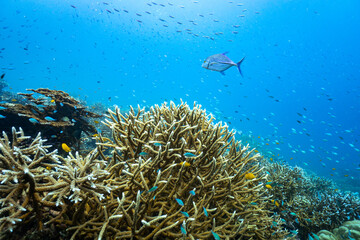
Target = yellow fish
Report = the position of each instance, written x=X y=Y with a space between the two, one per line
x=186 y=164
x=65 y=147
x=268 y=186
x=249 y=176
x=52 y=100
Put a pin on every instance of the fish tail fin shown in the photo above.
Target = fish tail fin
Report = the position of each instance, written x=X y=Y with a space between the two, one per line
x=238 y=66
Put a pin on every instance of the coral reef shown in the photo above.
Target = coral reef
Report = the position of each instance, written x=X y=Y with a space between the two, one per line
x=3 y=84
x=348 y=230
x=59 y=117
x=308 y=203
x=166 y=173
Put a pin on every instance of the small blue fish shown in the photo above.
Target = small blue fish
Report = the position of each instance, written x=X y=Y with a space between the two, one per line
x=292 y=213
x=216 y=236
x=253 y=203
x=349 y=235
x=220 y=63
x=152 y=189
x=2 y=117
x=205 y=212
x=143 y=154
x=157 y=144
x=308 y=220
x=310 y=237
x=316 y=236
x=189 y=155
x=61 y=104
x=179 y=201
x=192 y=192
x=185 y=214
x=2 y=108
x=33 y=120
x=47 y=118
x=183 y=230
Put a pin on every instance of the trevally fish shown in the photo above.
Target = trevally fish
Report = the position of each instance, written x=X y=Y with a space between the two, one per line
x=220 y=63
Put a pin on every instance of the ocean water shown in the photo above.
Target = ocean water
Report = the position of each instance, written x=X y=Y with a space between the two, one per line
x=299 y=99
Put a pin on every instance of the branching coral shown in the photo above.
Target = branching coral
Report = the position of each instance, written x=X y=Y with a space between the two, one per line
x=36 y=183
x=166 y=173
x=179 y=175
x=23 y=169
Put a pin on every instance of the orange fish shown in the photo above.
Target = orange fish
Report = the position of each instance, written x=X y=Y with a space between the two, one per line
x=65 y=147
x=186 y=164
x=249 y=176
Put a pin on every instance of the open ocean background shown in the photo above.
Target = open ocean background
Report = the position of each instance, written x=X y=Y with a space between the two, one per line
x=299 y=100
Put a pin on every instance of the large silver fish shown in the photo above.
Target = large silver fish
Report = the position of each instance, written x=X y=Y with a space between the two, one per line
x=220 y=62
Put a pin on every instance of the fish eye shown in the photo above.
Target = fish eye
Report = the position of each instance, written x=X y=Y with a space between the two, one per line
x=205 y=61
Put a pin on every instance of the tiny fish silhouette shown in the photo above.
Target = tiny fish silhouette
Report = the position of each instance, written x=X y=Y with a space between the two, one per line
x=220 y=63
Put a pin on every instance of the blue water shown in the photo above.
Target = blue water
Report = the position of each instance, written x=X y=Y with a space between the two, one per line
x=299 y=99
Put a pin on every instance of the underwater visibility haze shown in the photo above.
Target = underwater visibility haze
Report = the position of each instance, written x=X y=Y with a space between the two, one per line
x=289 y=84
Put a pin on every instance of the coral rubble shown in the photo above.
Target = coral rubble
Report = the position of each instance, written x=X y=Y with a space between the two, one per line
x=166 y=173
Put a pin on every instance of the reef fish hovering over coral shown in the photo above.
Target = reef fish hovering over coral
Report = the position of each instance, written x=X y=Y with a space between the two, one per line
x=220 y=63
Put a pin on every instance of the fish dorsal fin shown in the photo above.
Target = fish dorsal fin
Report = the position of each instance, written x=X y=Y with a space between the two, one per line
x=225 y=53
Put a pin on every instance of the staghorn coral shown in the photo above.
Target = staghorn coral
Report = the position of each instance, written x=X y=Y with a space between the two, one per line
x=179 y=175
x=166 y=173
x=23 y=169
x=37 y=187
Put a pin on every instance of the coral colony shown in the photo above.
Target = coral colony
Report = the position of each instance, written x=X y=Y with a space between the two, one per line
x=166 y=173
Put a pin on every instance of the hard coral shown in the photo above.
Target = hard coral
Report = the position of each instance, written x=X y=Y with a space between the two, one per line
x=308 y=203
x=23 y=170
x=40 y=187
x=348 y=230
x=166 y=173
x=178 y=175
